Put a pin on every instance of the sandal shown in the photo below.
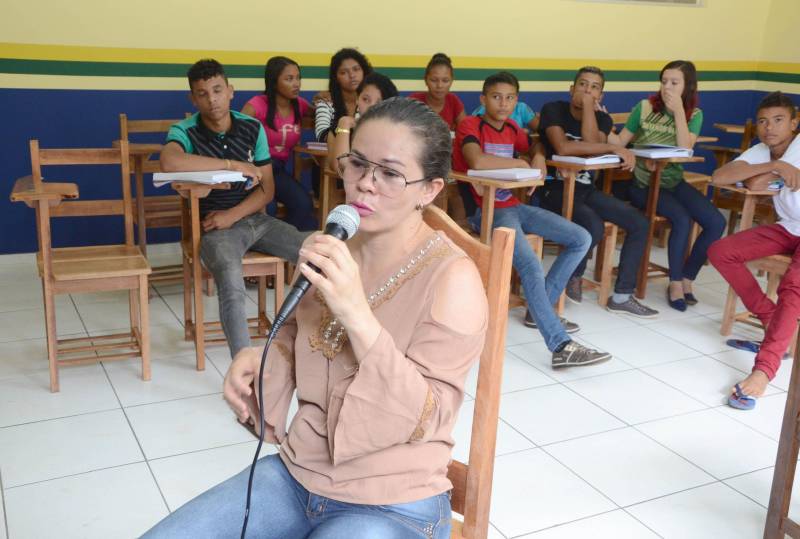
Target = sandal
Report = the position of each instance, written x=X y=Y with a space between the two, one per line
x=740 y=401
x=747 y=346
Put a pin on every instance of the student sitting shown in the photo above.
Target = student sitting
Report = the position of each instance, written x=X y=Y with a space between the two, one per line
x=280 y=110
x=671 y=117
x=493 y=141
x=580 y=128
x=233 y=220
x=439 y=79
x=373 y=89
x=775 y=159
x=523 y=114
x=347 y=69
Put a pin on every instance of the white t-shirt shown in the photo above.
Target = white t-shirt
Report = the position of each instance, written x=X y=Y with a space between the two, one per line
x=787 y=202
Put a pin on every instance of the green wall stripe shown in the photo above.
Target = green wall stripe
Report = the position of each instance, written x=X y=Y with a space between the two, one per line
x=132 y=69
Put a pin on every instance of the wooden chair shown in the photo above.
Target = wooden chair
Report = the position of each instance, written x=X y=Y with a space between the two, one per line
x=472 y=482
x=778 y=524
x=98 y=268
x=194 y=274
x=775 y=266
x=161 y=211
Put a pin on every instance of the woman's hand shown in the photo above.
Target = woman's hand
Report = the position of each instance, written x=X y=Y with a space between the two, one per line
x=674 y=103
x=239 y=383
x=340 y=280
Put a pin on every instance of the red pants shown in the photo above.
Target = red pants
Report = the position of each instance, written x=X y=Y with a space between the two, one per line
x=729 y=256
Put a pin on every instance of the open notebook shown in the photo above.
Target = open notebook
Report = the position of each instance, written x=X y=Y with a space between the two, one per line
x=507 y=173
x=591 y=160
x=206 y=176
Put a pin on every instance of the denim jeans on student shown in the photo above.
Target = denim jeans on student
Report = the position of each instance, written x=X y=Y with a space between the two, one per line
x=681 y=206
x=282 y=509
x=591 y=208
x=292 y=194
x=542 y=292
x=222 y=252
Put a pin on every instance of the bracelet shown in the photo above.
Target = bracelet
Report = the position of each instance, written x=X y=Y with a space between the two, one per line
x=227 y=164
x=340 y=130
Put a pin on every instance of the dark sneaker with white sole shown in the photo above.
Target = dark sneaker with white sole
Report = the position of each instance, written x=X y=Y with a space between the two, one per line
x=574 y=354
x=569 y=327
x=631 y=307
x=574 y=290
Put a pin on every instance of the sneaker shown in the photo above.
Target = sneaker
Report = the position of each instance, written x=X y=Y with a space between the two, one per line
x=569 y=327
x=631 y=307
x=574 y=290
x=575 y=354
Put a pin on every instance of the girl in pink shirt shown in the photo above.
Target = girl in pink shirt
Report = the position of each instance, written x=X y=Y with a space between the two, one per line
x=281 y=110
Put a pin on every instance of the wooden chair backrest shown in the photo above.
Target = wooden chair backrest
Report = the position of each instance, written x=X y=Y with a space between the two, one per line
x=748 y=135
x=472 y=482
x=126 y=126
x=87 y=156
x=619 y=117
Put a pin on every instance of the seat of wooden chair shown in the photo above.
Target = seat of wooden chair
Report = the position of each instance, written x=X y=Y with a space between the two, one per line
x=472 y=482
x=94 y=262
x=94 y=268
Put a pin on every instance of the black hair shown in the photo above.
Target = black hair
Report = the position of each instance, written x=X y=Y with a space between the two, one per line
x=339 y=108
x=501 y=77
x=205 y=69
x=272 y=72
x=439 y=59
x=380 y=81
x=435 y=146
x=777 y=99
x=590 y=69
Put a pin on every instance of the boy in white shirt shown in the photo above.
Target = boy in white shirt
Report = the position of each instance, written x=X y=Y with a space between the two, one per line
x=775 y=158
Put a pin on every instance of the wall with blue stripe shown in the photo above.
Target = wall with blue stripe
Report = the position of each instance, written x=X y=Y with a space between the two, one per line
x=87 y=118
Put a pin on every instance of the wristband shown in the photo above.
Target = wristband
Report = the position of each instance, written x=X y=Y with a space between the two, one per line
x=340 y=130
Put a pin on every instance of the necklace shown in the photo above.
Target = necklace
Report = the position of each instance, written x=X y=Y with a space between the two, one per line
x=333 y=335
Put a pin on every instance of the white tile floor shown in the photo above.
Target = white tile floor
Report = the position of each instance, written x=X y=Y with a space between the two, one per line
x=639 y=447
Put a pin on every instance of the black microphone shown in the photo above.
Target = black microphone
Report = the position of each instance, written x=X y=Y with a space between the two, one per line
x=342 y=223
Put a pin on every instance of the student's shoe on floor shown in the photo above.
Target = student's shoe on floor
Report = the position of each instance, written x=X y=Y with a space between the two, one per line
x=631 y=307
x=574 y=290
x=690 y=298
x=574 y=354
x=569 y=327
x=677 y=304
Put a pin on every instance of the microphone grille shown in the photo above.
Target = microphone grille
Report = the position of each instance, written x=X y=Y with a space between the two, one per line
x=346 y=217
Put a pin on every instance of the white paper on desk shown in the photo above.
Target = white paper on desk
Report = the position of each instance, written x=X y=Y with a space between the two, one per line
x=205 y=176
x=660 y=151
x=507 y=173
x=592 y=160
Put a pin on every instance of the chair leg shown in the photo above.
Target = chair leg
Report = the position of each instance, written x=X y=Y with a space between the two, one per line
x=280 y=280
x=609 y=242
x=732 y=222
x=199 y=320
x=133 y=307
x=262 y=304
x=187 y=301
x=729 y=312
x=786 y=462
x=52 y=338
x=144 y=326
x=773 y=281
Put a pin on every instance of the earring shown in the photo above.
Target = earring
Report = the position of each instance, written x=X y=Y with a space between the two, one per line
x=419 y=206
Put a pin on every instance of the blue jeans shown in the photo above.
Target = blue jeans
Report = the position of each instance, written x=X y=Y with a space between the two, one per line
x=282 y=509
x=592 y=208
x=222 y=252
x=681 y=206
x=542 y=292
x=292 y=194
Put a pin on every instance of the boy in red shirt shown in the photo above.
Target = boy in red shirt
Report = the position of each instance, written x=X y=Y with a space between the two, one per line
x=492 y=141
